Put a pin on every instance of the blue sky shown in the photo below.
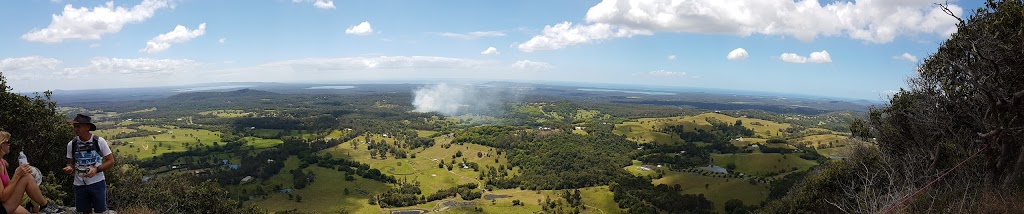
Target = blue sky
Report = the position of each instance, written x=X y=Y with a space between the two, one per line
x=853 y=49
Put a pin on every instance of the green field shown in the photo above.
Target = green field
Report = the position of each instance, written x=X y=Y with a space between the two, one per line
x=109 y=133
x=635 y=169
x=746 y=141
x=335 y=134
x=763 y=163
x=173 y=139
x=718 y=190
x=825 y=140
x=424 y=168
x=324 y=195
x=760 y=127
x=647 y=130
x=583 y=116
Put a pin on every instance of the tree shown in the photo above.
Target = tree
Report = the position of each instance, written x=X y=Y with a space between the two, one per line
x=39 y=130
x=967 y=98
x=735 y=206
x=858 y=128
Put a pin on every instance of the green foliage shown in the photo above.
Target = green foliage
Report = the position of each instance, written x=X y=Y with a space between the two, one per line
x=816 y=192
x=859 y=128
x=638 y=195
x=571 y=161
x=172 y=194
x=37 y=129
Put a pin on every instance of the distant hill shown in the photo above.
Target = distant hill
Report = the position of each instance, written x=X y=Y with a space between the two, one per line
x=219 y=95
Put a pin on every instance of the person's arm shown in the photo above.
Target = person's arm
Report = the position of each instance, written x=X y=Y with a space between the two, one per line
x=108 y=161
x=69 y=168
x=5 y=194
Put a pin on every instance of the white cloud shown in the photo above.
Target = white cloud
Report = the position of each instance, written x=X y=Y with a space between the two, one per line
x=222 y=40
x=872 y=21
x=527 y=65
x=816 y=57
x=490 y=51
x=664 y=74
x=820 y=57
x=28 y=63
x=324 y=4
x=362 y=29
x=907 y=57
x=474 y=35
x=180 y=34
x=105 y=65
x=321 y=4
x=85 y=24
x=94 y=45
x=672 y=57
x=737 y=54
x=567 y=34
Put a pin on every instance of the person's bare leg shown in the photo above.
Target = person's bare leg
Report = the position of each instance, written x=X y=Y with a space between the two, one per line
x=17 y=190
x=33 y=192
x=11 y=206
x=20 y=210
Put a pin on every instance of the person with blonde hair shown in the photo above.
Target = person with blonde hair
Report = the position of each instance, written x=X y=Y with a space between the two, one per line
x=17 y=185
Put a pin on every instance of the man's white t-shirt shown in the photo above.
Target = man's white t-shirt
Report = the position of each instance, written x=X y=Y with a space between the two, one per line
x=92 y=158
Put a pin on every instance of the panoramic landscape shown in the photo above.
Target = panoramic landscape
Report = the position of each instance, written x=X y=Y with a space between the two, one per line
x=631 y=106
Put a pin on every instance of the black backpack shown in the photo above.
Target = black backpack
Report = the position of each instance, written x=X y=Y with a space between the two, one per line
x=89 y=146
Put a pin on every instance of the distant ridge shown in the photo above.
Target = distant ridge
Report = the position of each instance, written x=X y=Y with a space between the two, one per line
x=226 y=94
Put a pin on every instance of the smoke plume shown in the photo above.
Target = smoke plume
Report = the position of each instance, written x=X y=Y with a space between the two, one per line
x=456 y=99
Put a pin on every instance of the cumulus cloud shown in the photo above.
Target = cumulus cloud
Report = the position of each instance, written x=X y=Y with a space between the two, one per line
x=321 y=4
x=362 y=29
x=527 y=65
x=737 y=54
x=490 y=51
x=222 y=40
x=180 y=34
x=28 y=63
x=816 y=57
x=567 y=34
x=907 y=57
x=871 y=21
x=324 y=4
x=85 y=24
x=672 y=57
x=105 y=65
x=474 y=35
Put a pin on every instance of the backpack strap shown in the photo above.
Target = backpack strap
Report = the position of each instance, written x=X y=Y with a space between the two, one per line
x=96 y=143
x=74 y=144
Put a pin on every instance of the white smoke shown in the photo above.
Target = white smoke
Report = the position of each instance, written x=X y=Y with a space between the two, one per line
x=442 y=98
